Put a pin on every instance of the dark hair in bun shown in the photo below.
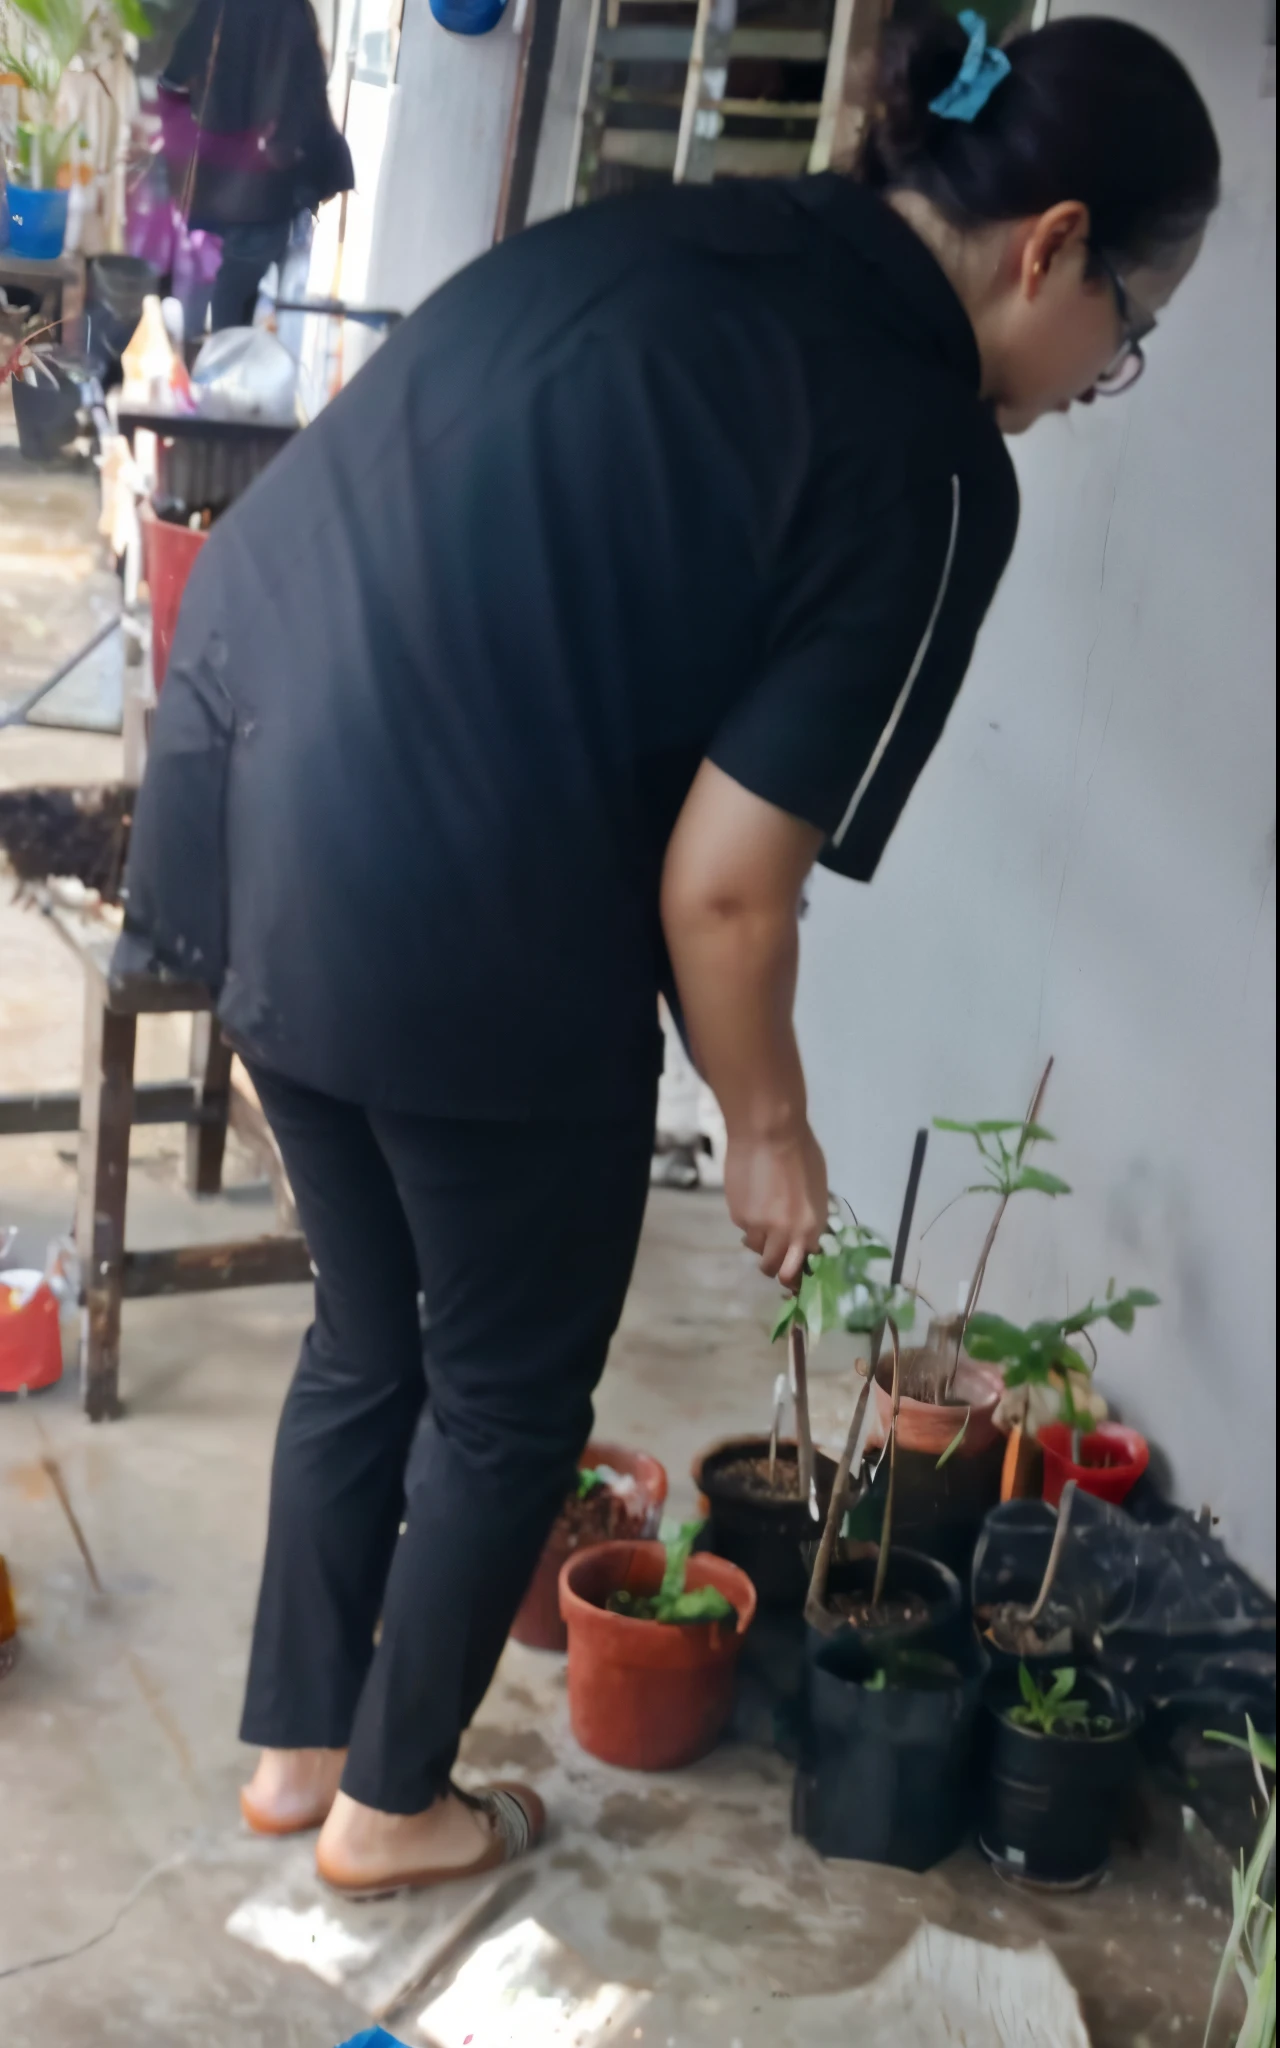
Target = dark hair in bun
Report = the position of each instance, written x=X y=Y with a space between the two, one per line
x=1093 y=109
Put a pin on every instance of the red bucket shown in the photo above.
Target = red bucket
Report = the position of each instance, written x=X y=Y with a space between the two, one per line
x=30 y=1334
x=169 y=553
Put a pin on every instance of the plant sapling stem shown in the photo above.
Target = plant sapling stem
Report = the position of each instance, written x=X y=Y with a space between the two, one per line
x=882 y=1560
x=798 y=1358
x=1055 y=1551
x=980 y=1270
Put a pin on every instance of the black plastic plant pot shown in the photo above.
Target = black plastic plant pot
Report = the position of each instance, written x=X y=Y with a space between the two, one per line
x=886 y=1776
x=934 y=1592
x=1050 y=1802
x=941 y=1513
x=762 y=1537
x=47 y=416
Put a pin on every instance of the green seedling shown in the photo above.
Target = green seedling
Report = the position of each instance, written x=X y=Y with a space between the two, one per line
x=1031 y=1355
x=588 y=1481
x=1055 y=1711
x=843 y=1287
x=672 y=1602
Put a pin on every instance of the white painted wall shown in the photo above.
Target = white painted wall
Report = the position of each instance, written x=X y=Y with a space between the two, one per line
x=442 y=164
x=1088 y=867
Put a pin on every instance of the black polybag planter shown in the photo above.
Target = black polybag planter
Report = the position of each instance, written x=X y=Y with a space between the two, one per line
x=885 y=1777
x=944 y=1629
x=1050 y=1802
x=764 y=1538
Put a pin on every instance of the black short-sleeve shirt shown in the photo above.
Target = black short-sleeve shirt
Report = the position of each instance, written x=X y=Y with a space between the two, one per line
x=702 y=472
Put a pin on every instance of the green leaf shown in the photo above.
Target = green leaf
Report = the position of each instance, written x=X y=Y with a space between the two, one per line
x=1033 y=1179
x=1063 y=1683
x=588 y=1481
x=133 y=17
x=993 y=1340
x=1036 y=1134
x=995 y=1126
x=949 y=1123
x=955 y=1443
x=678 y=1549
x=786 y=1315
x=1027 y=1686
x=877 y=1682
x=701 y=1603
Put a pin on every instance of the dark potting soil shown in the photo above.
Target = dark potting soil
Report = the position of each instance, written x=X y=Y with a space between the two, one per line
x=599 y=1518
x=748 y=1478
x=890 y=1613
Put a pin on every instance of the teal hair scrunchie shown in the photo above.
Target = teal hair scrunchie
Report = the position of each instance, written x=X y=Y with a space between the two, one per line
x=978 y=76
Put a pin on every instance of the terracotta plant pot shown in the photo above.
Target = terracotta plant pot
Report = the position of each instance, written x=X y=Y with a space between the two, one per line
x=538 y=1624
x=940 y=1511
x=929 y=1426
x=762 y=1536
x=649 y=1695
x=1112 y=1460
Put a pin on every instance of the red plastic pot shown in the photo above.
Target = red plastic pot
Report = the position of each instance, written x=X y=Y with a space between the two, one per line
x=30 y=1336
x=539 y=1625
x=1112 y=1460
x=169 y=554
x=649 y=1695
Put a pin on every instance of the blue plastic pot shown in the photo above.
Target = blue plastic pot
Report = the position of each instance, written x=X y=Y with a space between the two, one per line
x=37 y=223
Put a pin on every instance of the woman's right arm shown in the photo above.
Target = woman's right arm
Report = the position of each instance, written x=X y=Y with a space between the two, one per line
x=731 y=887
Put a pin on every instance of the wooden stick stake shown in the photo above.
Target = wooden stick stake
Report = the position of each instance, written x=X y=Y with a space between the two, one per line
x=815 y=1606
x=796 y=1345
x=882 y=1560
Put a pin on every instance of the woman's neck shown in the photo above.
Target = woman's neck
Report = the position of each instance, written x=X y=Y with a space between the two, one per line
x=971 y=263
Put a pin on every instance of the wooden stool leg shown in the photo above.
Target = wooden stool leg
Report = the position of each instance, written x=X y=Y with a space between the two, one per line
x=207 y=1140
x=106 y=1117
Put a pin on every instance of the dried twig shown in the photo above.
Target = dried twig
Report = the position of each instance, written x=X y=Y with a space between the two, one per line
x=1055 y=1552
x=54 y=1470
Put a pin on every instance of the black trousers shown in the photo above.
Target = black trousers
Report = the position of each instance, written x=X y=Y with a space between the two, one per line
x=521 y=1239
x=247 y=255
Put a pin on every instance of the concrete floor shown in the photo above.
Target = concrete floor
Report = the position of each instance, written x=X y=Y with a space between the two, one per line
x=117 y=1725
x=56 y=584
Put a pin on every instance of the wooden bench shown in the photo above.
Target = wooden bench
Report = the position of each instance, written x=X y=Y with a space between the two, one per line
x=104 y=1112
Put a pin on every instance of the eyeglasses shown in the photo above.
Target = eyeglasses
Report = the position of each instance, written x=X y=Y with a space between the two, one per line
x=1136 y=324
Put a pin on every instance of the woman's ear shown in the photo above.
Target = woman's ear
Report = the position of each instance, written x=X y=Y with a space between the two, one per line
x=1055 y=236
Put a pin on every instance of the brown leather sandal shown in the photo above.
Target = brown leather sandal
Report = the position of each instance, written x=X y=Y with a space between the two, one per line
x=517 y=1818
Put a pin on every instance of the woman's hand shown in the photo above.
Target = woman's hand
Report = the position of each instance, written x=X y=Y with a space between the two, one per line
x=776 y=1190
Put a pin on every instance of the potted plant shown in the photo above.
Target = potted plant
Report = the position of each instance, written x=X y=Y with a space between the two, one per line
x=1105 y=1460
x=765 y=1496
x=885 y=1772
x=654 y=1635
x=876 y=1591
x=1021 y=1623
x=950 y=1438
x=1061 y=1759
x=617 y=1493
x=43 y=40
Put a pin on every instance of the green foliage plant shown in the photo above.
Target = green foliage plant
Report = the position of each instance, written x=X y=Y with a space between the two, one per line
x=673 y=1602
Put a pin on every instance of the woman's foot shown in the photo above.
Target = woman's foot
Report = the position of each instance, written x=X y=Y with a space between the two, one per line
x=291 y=1789
x=361 y=1850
